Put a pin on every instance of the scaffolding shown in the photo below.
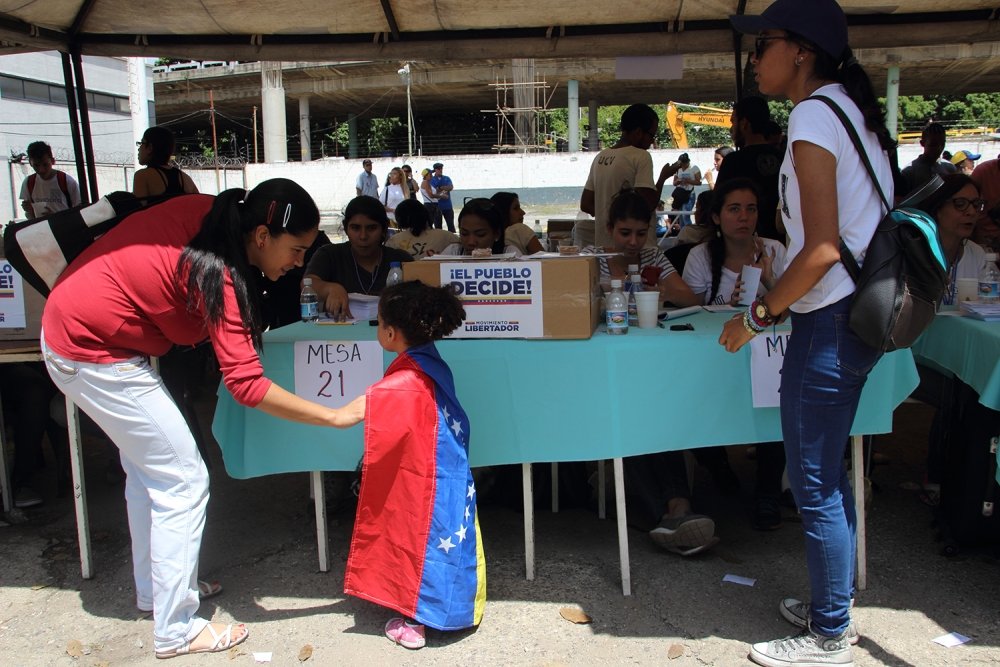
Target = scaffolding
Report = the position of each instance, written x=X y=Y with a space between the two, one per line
x=522 y=124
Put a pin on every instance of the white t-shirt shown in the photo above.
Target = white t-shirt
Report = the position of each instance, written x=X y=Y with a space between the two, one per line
x=518 y=235
x=47 y=197
x=459 y=249
x=392 y=196
x=698 y=272
x=612 y=170
x=423 y=193
x=432 y=239
x=692 y=173
x=970 y=265
x=858 y=204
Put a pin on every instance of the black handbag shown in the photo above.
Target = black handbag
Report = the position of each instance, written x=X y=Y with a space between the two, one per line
x=42 y=248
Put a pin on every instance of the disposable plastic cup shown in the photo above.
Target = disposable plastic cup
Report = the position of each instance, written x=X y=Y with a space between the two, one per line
x=751 y=282
x=966 y=289
x=648 y=306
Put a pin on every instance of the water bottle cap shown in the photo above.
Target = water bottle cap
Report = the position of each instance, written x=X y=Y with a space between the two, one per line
x=616 y=284
x=393 y=265
x=306 y=282
x=633 y=268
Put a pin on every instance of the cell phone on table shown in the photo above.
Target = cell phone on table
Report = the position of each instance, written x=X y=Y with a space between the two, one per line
x=687 y=326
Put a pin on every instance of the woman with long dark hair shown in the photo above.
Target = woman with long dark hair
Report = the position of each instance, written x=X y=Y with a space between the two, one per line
x=801 y=51
x=417 y=234
x=159 y=177
x=515 y=232
x=176 y=274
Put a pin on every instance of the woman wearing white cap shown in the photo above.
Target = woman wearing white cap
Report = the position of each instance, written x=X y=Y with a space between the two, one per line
x=826 y=193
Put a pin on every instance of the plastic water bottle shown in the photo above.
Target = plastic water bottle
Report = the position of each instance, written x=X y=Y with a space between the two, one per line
x=539 y=234
x=634 y=285
x=308 y=301
x=989 y=281
x=395 y=275
x=616 y=313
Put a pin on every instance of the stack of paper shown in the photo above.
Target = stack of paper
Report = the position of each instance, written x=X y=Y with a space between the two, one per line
x=988 y=312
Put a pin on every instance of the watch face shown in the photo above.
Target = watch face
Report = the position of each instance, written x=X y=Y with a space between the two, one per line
x=761 y=311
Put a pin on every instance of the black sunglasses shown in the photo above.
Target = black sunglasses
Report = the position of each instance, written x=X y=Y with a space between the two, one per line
x=760 y=43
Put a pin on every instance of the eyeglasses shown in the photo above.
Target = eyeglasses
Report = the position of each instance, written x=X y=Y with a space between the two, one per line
x=961 y=204
x=760 y=43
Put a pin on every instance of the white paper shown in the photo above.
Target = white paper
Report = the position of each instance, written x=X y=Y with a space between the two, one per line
x=11 y=297
x=261 y=656
x=465 y=258
x=722 y=308
x=501 y=299
x=334 y=373
x=751 y=283
x=363 y=306
x=674 y=313
x=951 y=640
x=737 y=579
x=767 y=354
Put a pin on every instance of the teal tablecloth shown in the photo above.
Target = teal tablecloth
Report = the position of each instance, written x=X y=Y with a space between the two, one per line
x=968 y=348
x=566 y=400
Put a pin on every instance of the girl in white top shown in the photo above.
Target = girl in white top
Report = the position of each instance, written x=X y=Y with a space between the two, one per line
x=956 y=206
x=712 y=270
x=396 y=191
x=628 y=226
x=825 y=194
x=515 y=232
x=480 y=228
x=418 y=237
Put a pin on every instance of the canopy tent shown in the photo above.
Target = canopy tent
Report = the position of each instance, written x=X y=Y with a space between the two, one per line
x=460 y=30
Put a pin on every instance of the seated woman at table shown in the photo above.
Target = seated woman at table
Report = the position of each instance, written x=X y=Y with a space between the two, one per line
x=955 y=205
x=418 y=237
x=712 y=270
x=416 y=546
x=515 y=232
x=359 y=265
x=177 y=274
x=628 y=226
x=480 y=227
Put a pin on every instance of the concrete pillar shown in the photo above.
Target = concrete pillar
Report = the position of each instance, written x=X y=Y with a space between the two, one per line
x=573 y=92
x=137 y=103
x=305 y=135
x=352 y=136
x=594 y=135
x=272 y=95
x=892 y=99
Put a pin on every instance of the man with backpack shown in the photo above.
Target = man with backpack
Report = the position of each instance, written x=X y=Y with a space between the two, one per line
x=47 y=190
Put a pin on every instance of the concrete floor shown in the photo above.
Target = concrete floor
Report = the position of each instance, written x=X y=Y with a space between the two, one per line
x=260 y=543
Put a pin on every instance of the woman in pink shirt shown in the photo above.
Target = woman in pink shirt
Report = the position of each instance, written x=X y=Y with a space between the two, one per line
x=177 y=273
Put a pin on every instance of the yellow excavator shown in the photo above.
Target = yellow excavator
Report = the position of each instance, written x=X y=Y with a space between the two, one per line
x=698 y=115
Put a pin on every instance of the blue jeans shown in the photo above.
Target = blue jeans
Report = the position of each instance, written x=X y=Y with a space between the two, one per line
x=824 y=371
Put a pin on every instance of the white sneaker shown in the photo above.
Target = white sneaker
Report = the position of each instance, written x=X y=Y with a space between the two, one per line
x=805 y=650
x=25 y=497
x=796 y=612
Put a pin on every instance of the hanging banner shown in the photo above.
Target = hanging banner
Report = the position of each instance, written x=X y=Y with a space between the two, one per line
x=11 y=297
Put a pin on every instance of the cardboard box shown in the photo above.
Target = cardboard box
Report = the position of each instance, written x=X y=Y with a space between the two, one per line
x=558 y=228
x=501 y=296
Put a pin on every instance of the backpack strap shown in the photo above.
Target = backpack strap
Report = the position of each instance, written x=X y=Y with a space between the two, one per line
x=846 y=256
x=61 y=180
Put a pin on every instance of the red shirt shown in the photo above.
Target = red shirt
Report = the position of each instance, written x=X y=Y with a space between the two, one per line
x=120 y=299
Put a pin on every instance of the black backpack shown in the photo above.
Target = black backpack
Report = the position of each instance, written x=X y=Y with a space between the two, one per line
x=904 y=274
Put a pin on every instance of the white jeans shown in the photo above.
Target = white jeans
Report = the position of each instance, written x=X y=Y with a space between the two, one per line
x=166 y=489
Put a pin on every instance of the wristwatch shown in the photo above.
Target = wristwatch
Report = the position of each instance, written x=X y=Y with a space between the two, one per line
x=761 y=315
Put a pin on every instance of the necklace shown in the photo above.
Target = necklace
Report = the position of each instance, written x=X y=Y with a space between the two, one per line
x=374 y=273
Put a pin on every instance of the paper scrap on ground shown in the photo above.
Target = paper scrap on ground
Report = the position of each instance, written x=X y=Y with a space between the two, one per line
x=574 y=615
x=736 y=579
x=262 y=656
x=951 y=640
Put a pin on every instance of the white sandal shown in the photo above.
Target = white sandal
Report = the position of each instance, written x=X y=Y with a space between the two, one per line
x=221 y=641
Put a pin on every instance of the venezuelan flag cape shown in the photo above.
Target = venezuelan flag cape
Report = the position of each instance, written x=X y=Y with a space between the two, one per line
x=416 y=545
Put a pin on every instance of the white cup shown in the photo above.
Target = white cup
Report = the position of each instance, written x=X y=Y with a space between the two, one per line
x=966 y=289
x=751 y=282
x=648 y=306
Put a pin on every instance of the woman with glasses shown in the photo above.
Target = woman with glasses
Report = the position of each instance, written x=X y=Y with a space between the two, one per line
x=480 y=230
x=956 y=206
x=801 y=51
x=159 y=177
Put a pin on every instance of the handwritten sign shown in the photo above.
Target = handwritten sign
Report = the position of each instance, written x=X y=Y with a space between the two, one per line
x=501 y=299
x=334 y=373
x=11 y=297
x=767 y=354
